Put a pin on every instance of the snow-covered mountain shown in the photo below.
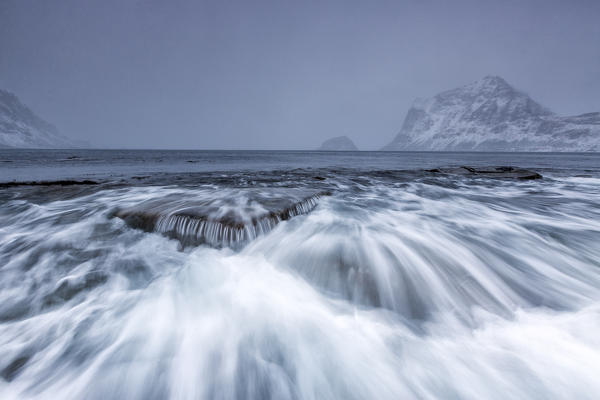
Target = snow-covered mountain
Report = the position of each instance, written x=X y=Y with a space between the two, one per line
x=340 y=143
x=20 y=127
x=490 y=115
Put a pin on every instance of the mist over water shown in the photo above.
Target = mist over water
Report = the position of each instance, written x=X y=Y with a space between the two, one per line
x=399 y=283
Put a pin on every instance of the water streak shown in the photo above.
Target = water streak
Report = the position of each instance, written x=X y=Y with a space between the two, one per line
x=427 y=287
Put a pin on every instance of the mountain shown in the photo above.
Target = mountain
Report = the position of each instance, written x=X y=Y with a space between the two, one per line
x=340 y=143
x=490 y=115
x=20 y=127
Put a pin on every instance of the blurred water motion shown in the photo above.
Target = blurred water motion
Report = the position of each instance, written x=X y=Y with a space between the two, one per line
x=400 y=284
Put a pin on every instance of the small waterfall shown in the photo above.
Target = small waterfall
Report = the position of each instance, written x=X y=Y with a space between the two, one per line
x=193 y=227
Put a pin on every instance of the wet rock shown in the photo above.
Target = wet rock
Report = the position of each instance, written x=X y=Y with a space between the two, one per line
x=48 y=183
x=224 y=220
x=489 y=172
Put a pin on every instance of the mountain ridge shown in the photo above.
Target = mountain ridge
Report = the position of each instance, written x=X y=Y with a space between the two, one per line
x=491 y=115
x=20 y=127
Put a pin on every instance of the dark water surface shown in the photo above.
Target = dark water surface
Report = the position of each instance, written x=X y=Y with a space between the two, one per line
x=58 y=164
x=300 y=275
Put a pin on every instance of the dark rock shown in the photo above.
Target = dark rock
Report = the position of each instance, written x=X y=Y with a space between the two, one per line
x=489 y=172
x=220 y=221
x=48 y=183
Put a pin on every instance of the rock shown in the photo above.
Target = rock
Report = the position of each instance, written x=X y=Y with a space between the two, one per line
x=340 y=143
x=489 y=172
x=66 y=182
x=223 y=220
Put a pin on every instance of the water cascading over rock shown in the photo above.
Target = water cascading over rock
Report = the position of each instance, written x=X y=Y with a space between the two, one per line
x=220 y=219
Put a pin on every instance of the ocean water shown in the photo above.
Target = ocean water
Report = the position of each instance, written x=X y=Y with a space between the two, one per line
x=298 y=275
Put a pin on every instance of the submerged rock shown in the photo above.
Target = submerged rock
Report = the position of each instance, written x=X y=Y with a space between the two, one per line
x=490 y=172
x=64 y=182
x=14 y=368
x=224 y=220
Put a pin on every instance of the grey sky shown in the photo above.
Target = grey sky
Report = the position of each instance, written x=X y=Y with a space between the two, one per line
x=282 y=74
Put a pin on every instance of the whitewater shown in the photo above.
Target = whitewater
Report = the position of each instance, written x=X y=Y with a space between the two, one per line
x=298 y=276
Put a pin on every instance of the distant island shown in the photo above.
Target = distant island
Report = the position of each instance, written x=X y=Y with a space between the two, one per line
x=22 y=128
x=490 y=115
x=339 y=143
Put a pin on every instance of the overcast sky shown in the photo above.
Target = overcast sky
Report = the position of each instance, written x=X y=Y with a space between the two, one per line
x=282 y=74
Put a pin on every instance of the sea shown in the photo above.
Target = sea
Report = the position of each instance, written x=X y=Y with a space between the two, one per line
x=147 y=274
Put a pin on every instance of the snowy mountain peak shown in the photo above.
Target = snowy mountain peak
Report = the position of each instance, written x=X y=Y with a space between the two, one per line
x=20 y=127
x=491 y=95
x=488 y=86
x=491 y=115
x=492 y=82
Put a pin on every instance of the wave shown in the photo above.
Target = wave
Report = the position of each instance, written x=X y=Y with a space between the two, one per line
x=431 y=288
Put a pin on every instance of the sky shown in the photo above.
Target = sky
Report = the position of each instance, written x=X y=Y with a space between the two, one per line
x=282 y=74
